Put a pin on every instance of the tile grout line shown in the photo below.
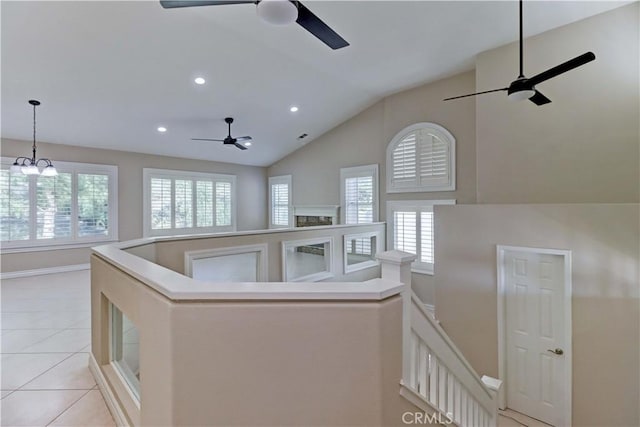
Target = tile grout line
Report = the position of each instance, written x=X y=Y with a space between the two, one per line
x=41 y=374
x=68 y=407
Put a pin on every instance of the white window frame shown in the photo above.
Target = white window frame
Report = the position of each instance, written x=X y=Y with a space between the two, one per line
x=262 y=274
x=314 y=277
x=365 y=264
x=275 y=180
x=149 y=173
x=417 y=206
x=442 y=134
x=357 y=172
x=74 y=241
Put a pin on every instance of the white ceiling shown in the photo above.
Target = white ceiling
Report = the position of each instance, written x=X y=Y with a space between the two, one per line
x=109 y=73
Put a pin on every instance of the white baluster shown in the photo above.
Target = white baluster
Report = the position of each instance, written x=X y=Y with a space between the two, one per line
x=433 y=381
x=442 y=387
x=463 y=408
x=422 y=369
x=414 y=362
x=450 y=401
x=457 y=413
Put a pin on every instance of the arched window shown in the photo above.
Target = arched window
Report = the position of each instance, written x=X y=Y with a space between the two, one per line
x=421 y=157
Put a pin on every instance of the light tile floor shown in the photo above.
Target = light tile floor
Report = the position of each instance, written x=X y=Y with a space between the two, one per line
x=46 y=339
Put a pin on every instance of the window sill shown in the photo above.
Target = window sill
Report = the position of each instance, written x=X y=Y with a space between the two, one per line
x=56 y=247
x=422 y=271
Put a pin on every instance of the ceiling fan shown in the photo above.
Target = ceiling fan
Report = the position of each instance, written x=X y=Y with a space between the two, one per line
x=524 y=88
x=229 y=140
x=278 y=12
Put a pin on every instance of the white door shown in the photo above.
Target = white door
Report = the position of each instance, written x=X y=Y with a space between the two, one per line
x=535 y=341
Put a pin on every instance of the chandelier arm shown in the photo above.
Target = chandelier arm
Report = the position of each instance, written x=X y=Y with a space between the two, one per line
x=47 y=161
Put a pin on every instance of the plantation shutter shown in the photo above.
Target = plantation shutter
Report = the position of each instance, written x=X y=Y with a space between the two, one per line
x=14 y=206
x=280 y=204
x=433 y=159
x=93 y=204
x=183 y=203
x=53 y=206
x=421 y=158
x=161 y=204
x=359 y=200
x=404 y=231
x=223 y=203
x=204 y=203
x=426 y=237
x=403 y=162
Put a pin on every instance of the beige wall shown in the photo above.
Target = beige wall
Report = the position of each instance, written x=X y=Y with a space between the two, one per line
x=170 y=253
x=363 y=140
x=251 y=182
x=312 y=363
x=604 y=240
x=584 y=146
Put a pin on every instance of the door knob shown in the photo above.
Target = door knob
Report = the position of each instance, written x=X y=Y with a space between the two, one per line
x=557 y=351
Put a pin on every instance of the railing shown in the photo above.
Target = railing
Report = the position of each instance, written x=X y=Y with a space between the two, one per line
x=435 y=374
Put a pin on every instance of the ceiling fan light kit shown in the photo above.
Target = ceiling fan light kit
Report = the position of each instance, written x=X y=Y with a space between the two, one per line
x=277 y=12
x=524 y=88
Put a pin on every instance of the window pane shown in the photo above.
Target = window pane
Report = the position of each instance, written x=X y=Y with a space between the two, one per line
x=404 y=231
x=223 y=203
x=359 y=200
x=280 y=204
x=125 y=349
x=53 y=206
x=161 y=215
x=184 y=203
x=426 y=237
x=93 y=205
x=434 y=156
x=204 y=204
x=14 y=206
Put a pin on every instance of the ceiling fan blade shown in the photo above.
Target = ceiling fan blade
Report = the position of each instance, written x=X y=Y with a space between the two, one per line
x=240 y=146
x=474 y=94
x=244 y=138
x=207 y=139
x=322 y=31
x=172 y=4
x=539 y=99
x=562 y=68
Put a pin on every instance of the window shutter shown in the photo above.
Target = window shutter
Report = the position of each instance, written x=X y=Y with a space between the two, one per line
x=404 y=231
x=93 y=204
x=433 y=160
x=404 y=162
x=359 y=200
x=53 y=207
x=223 y=203
x=183 y=203
x=161 y=205
x=204 y=204
x=14 y=206
x=426 y=237
x=280 y=204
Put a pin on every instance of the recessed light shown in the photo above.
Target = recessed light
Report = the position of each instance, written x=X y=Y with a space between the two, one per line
x=248 y=144
x=199 y=80
x=162 y=129
x=293 y=109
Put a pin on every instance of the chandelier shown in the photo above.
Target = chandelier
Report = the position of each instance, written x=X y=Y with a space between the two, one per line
x=29 y=166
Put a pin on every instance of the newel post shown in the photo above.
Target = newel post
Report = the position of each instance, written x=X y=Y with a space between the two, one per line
x=396 y=266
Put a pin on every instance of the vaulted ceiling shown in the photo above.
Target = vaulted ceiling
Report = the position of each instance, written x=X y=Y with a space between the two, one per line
x=110 y=73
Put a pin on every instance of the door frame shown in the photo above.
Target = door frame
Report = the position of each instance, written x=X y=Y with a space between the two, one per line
x=502 y=339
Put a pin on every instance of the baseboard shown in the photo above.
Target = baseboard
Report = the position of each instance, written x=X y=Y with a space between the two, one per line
x=109 y=398
x=43 y=271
